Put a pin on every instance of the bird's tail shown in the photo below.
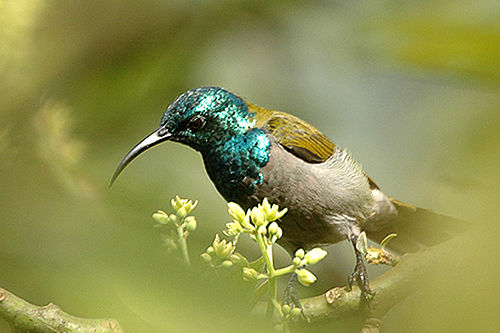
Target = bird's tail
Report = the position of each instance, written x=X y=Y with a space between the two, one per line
x=417 y=228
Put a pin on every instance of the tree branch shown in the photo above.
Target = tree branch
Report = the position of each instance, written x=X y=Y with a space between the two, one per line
x=390 y=288
x=26 y=317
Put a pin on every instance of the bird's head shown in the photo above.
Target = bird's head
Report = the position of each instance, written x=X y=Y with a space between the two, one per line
x=201 y=118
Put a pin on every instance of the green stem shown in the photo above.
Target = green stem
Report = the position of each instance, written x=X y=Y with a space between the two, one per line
x=183 y=245
x=286 y=326
x=273 y=293
x=285 y=270
x=266 y=253
x=268 y=259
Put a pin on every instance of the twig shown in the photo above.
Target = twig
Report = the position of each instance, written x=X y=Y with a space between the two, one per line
x=25 y=317
x=390 y=288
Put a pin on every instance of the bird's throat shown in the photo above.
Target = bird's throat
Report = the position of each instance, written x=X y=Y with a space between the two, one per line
x=235 y=165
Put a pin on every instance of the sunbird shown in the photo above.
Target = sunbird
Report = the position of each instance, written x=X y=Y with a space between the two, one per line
x=251 y=153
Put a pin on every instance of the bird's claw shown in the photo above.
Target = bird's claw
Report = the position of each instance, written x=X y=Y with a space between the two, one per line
x=360 y=276
x=290 y=296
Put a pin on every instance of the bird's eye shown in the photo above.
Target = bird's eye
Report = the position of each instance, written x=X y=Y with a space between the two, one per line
x=196 y=123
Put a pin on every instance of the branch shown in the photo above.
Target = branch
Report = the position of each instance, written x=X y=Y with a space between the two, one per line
x=26 y=317
x=390 y=288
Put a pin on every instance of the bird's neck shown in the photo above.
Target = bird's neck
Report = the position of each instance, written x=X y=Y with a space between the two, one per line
x=234 y=165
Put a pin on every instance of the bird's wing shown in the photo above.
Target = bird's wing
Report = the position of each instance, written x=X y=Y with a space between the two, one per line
x=297 y=136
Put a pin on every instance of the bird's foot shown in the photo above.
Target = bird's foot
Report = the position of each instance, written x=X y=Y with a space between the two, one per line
x=290 y=296
x=360 y=276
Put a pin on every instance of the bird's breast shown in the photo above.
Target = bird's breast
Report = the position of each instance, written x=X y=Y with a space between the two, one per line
x=322 y=199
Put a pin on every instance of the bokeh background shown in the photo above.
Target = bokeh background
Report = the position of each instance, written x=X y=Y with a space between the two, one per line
x=411 y=88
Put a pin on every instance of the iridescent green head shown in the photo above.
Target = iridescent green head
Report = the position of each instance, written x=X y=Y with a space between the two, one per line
x=206 y=117
x=202 y=118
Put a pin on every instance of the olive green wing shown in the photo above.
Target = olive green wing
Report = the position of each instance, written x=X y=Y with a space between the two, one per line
x=296 y=136
x=299 y=137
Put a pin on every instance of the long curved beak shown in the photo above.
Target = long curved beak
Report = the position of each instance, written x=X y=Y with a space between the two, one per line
x=157 y=137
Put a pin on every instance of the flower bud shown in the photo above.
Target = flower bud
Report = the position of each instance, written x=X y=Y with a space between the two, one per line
x=300 y=253
x=296 y=312
x=265 y=207
x=190 y=222
x=236 y=212
x=271 y=213
x=160 y=217
x=314 y=256
x=273 y=228
x=280 y=214
x=232 y=229
x=297 y=262
x=257 y=217
x=222 y=248
x=279 y=233
x=226 y=264
x=176 y=202
x=262 y=230
x=239 y=260
x=286 y=309
x=181 y=213
x=172 y=218
x=206 y=257
x=305 y=277
x=190 y=205
x=249 y=274
x=245 y=223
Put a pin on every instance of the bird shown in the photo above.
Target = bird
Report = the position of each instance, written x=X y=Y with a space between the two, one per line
x=251 y=153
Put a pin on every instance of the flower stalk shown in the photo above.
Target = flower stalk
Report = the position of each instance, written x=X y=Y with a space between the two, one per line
x=180 y=224
x=261 y=224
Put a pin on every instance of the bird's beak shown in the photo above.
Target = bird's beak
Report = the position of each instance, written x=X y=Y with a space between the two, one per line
x=158 y=136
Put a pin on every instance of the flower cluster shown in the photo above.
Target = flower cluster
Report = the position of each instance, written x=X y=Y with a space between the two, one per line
x=302 y=259
x=261 y=224
x=180 y=225
x=260 y=219
x=222 y=254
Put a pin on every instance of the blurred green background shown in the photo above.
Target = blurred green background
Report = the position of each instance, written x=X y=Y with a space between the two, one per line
x=411 y=88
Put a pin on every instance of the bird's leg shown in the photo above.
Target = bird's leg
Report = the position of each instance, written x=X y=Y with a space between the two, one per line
x=290 y=296
x=360 y=275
